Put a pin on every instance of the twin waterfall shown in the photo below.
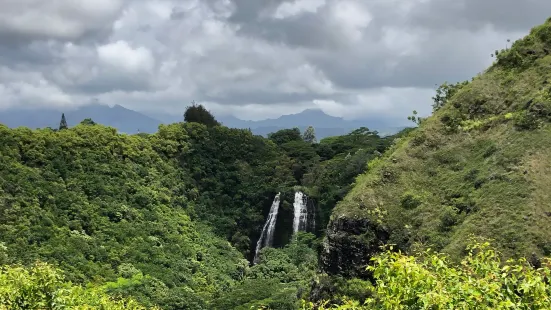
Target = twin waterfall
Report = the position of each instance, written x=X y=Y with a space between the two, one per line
x=300 y=221
x=301 y=212
x=267 y=235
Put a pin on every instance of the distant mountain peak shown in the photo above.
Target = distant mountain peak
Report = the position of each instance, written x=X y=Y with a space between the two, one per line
x=125 y=120
x=120 y=107
x=307 y=112
x=313 y=111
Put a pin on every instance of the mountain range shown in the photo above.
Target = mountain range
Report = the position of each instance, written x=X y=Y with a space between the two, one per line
x=130 y=121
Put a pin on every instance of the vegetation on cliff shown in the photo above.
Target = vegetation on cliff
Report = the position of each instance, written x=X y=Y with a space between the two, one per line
x=477 y=166
x=429 y=280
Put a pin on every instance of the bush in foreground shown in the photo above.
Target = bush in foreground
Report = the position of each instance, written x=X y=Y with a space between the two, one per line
x=480 y=281
x=42 y=287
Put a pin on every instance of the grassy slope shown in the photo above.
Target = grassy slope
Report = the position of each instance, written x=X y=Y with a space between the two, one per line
x=477 y=166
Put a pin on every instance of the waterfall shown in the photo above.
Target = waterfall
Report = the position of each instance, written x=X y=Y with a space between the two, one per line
x=301 y=212
x=267 y=236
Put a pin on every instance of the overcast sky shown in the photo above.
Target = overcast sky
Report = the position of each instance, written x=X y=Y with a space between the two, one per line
x=251 y=58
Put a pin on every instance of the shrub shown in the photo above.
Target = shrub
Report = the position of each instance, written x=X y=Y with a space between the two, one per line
x=526 y=121
x=42 y=287
x=388 y=174
x=445 y=92
x=451 y=119
x=418 y=138
x=480 y=281
x=410 y=200
x=448 y=218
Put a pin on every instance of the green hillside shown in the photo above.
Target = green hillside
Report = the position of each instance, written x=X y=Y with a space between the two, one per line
x=479 y=165
x=104 y=206
x=170 y=219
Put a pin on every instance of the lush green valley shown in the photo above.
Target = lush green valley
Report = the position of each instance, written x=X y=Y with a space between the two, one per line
x=170 y=219
x=90 y=218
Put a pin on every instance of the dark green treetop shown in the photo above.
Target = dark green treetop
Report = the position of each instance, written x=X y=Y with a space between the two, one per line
x=199 y=114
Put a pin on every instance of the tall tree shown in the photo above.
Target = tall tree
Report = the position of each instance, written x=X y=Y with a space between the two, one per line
x=63 y=123
x=199 y=114
x=285 y=135
x=309 y=135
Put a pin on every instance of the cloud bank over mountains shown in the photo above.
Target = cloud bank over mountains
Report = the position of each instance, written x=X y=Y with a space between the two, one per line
x=249 y=58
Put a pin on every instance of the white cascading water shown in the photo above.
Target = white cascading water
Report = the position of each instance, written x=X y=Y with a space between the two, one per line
x=267 y=235
x=301 y=212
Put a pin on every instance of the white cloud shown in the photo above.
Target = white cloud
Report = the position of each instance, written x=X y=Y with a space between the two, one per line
x=23 y=89
x=121 y=55
x=352 y=17
x=251 y=58
x=288 y=9
x=397 y=103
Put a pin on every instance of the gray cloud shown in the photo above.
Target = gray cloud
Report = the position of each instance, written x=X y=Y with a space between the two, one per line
x=248 y=57
x=22 y=20
x=504 y=15
x=246 y=11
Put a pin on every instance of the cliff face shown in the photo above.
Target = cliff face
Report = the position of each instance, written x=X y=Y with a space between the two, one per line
x=478 y=167
x=349 y=244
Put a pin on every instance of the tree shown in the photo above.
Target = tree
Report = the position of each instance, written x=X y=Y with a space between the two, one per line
x=285 y=135
x=88 y=121
x=414 y=118
x=445 y=92
x=63 y=123
x=199 y=114
x=309 y=135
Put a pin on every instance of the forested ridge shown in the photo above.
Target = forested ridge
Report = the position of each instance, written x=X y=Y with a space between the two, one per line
x=169 y=219
x=453 y=214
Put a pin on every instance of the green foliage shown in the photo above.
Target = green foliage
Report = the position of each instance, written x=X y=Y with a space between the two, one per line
x=146 y=215
x=236 y=175
x=42 y=287
x=336 y=289
x=481 y=281
x=331 y=174
x=285 y=135
x=199 y=114
x=88 y=121
x=526 y=121
x=410 y=200
x=356 y=289
x=104 y=206
x=309 y=135
x=478 y=161
x=523 y=53
x=278 y=280
x=414 y=118
x=444 y=92
x=449 y=218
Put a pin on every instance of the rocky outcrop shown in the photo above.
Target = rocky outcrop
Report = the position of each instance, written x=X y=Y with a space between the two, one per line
x=349 y=245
